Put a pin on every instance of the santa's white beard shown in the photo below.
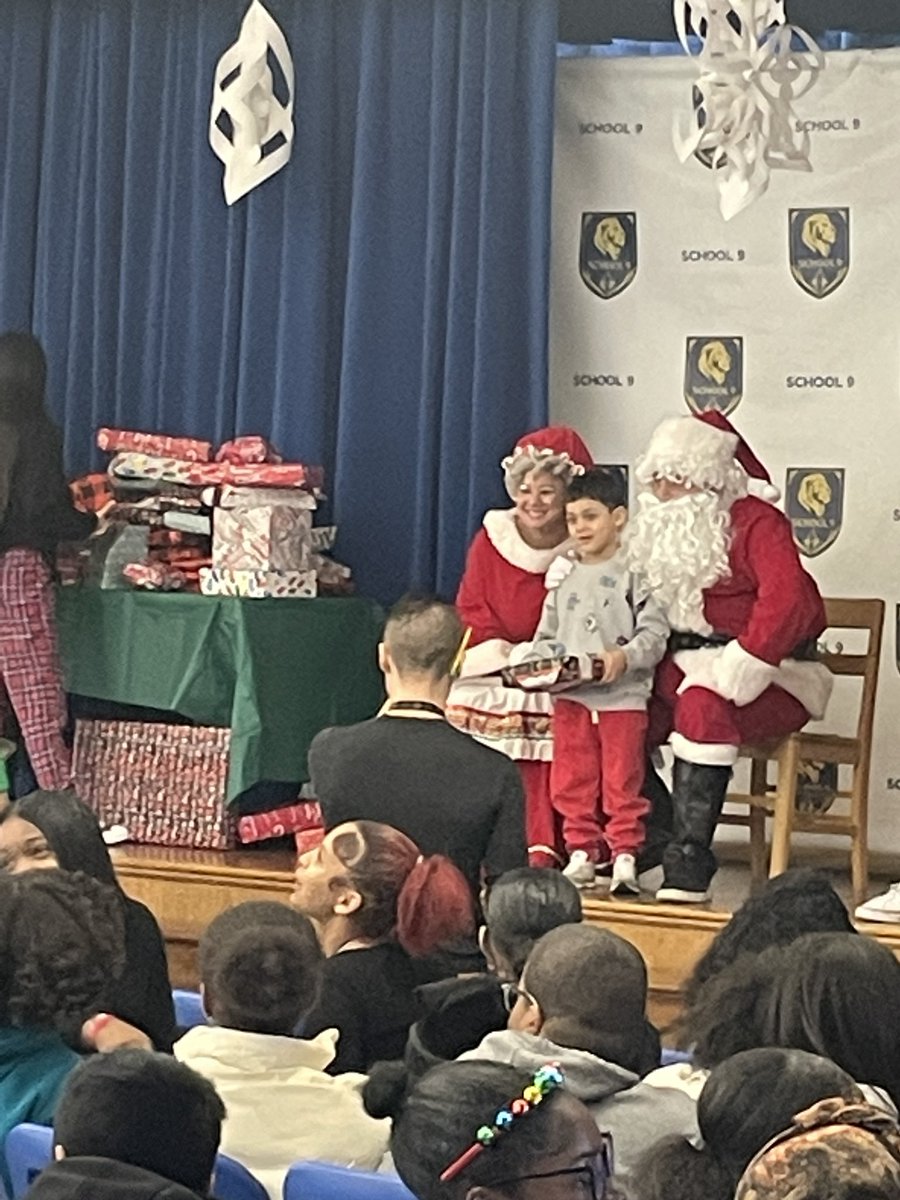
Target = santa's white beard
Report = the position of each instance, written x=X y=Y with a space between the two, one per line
x=680 y=547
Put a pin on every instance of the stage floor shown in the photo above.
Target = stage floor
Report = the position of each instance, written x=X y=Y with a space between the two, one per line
x=187 y=888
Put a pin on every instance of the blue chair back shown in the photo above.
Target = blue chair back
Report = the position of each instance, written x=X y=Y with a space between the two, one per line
x=29 y=1148
x=188 y=1008
x=232 y=1181
x=674 y=1056
x=322 y=1181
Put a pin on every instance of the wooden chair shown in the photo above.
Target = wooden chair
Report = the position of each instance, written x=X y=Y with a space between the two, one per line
x=854 y=752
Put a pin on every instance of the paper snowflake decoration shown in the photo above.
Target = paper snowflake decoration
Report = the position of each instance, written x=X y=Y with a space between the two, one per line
x=250 y=129
x=752 y=66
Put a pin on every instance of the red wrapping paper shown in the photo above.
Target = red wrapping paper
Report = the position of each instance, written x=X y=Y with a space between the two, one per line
x=295 y=818
x=164 y=783
x=191 y=449
x=135 y=465
x=249 y=449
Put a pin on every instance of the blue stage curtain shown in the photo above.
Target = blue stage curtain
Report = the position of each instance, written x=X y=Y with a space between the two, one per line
x=379 y=306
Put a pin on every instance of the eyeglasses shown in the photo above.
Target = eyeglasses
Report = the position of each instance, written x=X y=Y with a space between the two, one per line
x=512 y=994
x=591 y=1178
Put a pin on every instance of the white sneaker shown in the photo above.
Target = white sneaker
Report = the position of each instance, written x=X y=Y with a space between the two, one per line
x=580 y=870
x=884 y=908
x=624 y=876
x=673 y=895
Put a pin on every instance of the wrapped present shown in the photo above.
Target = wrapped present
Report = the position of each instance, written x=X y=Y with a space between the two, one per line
x=155 y=577
x=164 y=783
x=113 y=550
x=274 y=537
x=323 y=537
x=91 y=493
x=225 y=581
x=248 y=449
x=277 y=822
x=190 y=449
x=132 y=465
x=260 y=497
x=308 y=839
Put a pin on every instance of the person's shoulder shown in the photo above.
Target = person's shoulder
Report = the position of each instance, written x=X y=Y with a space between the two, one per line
x=140 y=919
x=750 y=511
x=340 y=736
x=466 y=745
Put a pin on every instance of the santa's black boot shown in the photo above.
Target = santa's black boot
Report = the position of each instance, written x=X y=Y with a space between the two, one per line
x=698 y=793
x=659 y=822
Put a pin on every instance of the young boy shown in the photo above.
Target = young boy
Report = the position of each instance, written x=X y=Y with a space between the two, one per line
x=599 y=609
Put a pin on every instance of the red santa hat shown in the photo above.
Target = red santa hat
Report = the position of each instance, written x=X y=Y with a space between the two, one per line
x=759 y=481
x=556 y=449
x=705 y=450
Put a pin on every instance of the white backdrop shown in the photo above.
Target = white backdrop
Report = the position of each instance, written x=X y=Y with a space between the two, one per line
x=814 y=379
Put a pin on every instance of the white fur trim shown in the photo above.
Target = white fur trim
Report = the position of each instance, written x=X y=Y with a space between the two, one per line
x=486 y=658
x=503 y=534
x=808 y=682
x=525 y=459
x=703 y=754
x=762 y=489
x=741 y=677
x=686 y=450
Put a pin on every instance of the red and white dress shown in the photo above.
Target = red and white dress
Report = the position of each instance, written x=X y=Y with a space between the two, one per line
x=500 y=598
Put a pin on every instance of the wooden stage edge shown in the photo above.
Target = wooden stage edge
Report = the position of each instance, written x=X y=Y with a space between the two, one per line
x=186 y=889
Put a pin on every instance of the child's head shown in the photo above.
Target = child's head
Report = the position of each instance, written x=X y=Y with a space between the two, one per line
x=596 y=510
x=61 y=942
x=521 y=907
x=146 y=1109
x=259 y=968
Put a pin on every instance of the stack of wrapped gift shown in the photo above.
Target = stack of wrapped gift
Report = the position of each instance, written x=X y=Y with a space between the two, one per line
x=235 y=523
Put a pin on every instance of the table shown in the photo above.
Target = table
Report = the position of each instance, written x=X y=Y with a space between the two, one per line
x=275 y=671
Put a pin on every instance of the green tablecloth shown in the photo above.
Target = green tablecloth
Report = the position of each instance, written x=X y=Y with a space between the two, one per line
x=275 y=671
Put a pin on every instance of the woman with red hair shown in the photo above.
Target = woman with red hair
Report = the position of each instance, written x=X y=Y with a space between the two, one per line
x=377 y=904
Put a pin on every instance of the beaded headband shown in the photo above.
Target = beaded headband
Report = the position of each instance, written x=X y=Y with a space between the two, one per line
x=546 y=1080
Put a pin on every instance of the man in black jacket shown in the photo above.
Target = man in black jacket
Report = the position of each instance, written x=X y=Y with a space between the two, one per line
x=409 y=768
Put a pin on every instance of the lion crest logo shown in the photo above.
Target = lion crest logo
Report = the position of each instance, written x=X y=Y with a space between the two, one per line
x=819 y=241
x=608 y=253
x=814 y=503
x=714 y=373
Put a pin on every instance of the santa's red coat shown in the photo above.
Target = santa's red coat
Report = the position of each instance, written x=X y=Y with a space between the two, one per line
x=769 y=603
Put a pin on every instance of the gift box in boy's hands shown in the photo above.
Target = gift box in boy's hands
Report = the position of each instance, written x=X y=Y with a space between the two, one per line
x=270 y=538
x=164 y=783
x=553 y=674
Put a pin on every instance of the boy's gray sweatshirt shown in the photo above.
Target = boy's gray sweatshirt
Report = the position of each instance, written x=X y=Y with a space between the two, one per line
x=603 y=606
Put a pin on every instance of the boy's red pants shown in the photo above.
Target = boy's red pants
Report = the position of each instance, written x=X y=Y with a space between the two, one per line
x=596 y=778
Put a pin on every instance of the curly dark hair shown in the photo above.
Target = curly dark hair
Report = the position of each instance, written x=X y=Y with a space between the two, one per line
x=62 y=939
x=798 y=902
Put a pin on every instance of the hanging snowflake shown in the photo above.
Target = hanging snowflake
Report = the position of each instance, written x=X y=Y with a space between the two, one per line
x=251 y=127
x=750 y=74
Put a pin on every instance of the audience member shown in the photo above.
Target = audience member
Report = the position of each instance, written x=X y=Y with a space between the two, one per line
x=833 y=1151
x=798 y=902
x=552 y=1149
x=582 y=1003
x=734 y=1124
x=259 y=979
x=833 y=994
x=61 y=941
x=55 y=829
x=410 y=769
x=377 y=903
x=520 y=907
x=133 y=1124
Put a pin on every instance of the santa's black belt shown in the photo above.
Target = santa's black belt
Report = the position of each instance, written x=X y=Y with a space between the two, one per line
x=806 y=651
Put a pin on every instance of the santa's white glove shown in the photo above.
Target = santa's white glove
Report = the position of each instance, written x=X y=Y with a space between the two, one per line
x=559 y=569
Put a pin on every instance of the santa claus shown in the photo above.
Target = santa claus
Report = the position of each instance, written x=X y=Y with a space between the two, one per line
x=745 y=617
